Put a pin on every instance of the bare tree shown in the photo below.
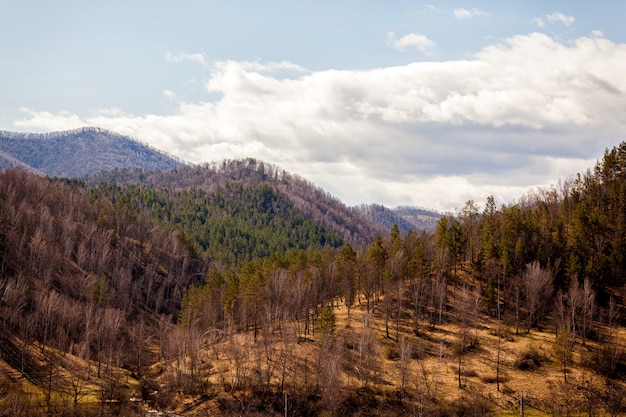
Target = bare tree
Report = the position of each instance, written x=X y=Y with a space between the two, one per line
x=588 y=309
x=514 y=289
x=563 y=349
x=332 y=393
x=405 y=360
x=367 y=349
x=574 y=304
x=419 y=289
x=609 y=351
x=76 y=386
x=537 y=290
x=464 y=311
x=439 y=293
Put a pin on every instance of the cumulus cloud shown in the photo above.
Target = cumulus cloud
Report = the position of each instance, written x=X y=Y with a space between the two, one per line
x=468 y=14
x=418 y=41
x=517 y=114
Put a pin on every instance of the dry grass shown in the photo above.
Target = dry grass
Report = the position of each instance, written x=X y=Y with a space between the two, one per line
x=284 y=359
x=432 y=371
x=72 y=379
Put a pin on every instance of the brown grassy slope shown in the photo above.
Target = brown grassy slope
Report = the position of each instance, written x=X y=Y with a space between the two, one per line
x=238 y=373
x=369 y=380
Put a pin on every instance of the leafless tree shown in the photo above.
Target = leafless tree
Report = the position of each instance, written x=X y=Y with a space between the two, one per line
x=439 y=293
x=76 y=384
x=404 y=363
x=463 y=308
x=564 y=348
x=588 y=309
x=367 y=349
x=574 y=304
x=331 y=373
x=537 y=291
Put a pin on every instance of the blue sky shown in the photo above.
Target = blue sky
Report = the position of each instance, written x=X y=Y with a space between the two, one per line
x=404 y=102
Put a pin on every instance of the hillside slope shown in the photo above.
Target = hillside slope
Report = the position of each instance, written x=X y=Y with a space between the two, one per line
x=77 y=153
x=113 y=287
x=88 y=151
x=231 y=183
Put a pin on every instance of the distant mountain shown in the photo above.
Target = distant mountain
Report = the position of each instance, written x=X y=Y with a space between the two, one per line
x=419 y=218
x=107 y=156
x=7 y=161
x=78 y=153
x=405 y=217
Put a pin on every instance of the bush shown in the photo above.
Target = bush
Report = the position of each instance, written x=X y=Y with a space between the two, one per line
x=529 y=359
x=391 y=352
x=472 y=404
x=491 y=379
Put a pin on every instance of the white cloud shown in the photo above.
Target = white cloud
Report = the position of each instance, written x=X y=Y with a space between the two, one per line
x=538 y=21
x=183 y=56
x=556 y=17
x=517 y=114
x=420 y=42
x=468 y=14
x=169 y=94
x=560 y=17
x=49 y=122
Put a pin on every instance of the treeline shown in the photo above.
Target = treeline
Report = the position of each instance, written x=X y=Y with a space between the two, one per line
x=576 y=230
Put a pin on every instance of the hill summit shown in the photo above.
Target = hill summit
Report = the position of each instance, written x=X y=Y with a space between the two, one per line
x=79 y=152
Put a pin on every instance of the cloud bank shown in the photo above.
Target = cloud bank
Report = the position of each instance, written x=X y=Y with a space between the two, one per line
x=517 y=114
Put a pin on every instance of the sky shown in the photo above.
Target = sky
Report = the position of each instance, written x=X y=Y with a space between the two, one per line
x=424 y=103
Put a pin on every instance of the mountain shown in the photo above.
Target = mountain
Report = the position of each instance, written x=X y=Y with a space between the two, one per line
x=418 y=218
x=77 y=153
x=87 y=151
x=405 y=217
x=7 y=162
x=245 y=208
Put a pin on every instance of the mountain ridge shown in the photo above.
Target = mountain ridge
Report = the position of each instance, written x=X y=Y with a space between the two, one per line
x=86 y=152
x=79 y=152
x=225 y=182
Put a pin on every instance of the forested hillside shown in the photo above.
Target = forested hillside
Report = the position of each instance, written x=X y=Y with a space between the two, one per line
x=76 y=153
x=81 y=277
x=247 y=192
x=178 y=289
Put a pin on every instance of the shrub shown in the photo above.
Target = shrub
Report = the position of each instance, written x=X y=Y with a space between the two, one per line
x=391 y=352
x=529 y=359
